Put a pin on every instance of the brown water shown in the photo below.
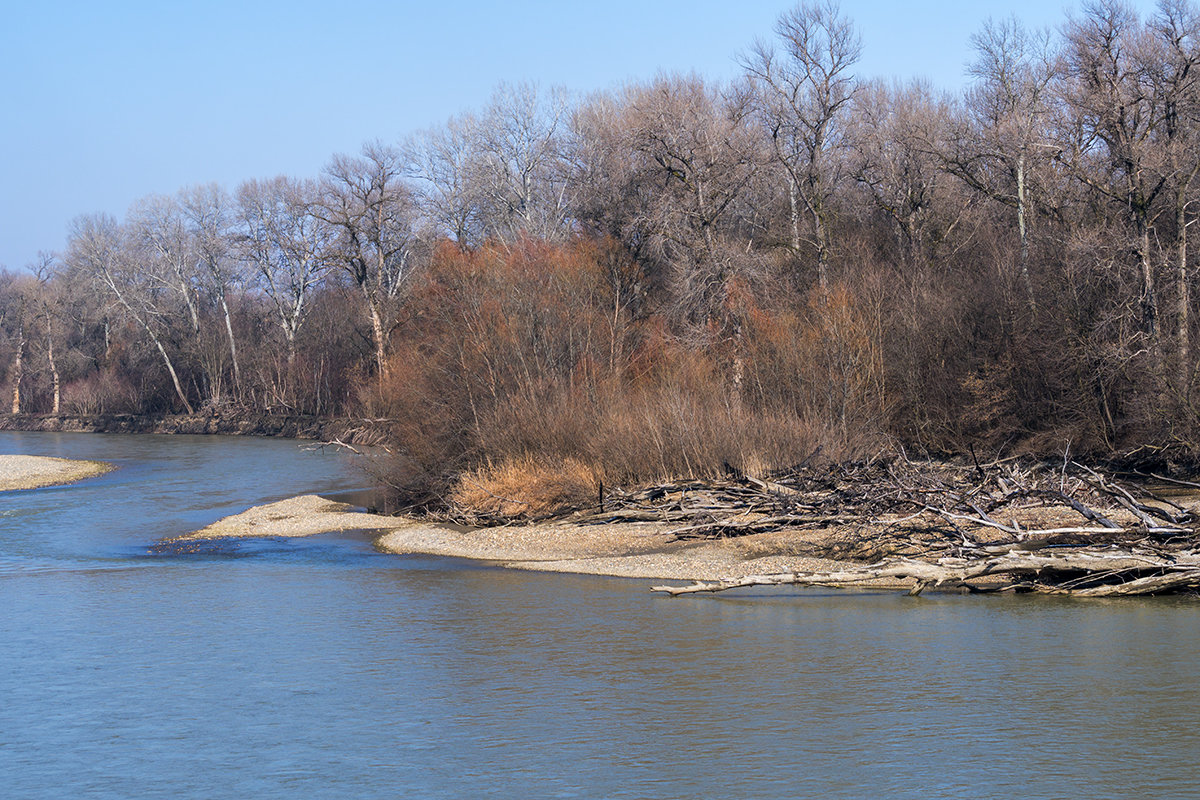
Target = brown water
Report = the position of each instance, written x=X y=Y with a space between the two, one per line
x=320 y=668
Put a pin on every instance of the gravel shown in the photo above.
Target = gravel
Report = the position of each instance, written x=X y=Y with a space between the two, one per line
x=34 y=472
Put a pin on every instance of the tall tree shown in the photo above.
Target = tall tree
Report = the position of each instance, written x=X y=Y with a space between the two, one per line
x=899 y=132
x=1173 y=66
x=521 y=173
x=284 y=240
x=369 y=205
x=1114 y=118
x=444 y=164
x=804 y=90
x=101 y=249
x=207 y=214
x=696 y=155
x=1004 y=140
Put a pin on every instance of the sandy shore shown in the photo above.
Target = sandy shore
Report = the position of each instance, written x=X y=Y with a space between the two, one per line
x=33 y=472
x=306 y=515
x=633 y=550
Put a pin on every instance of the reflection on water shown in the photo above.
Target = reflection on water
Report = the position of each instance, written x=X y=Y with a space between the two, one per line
x=321 y=668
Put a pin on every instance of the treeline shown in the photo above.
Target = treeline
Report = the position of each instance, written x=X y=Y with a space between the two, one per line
x=679 y=276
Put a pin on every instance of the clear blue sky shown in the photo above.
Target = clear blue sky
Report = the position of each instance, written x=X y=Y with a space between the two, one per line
x=105 y=102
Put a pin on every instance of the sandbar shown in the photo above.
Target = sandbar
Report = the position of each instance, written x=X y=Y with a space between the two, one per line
x=632 y=550
x=35 y=472
x=306 y=515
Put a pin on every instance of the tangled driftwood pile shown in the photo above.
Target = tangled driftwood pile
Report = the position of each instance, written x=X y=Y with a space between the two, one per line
x=1061 y=529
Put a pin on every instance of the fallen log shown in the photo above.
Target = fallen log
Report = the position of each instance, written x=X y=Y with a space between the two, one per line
x=1088 y=574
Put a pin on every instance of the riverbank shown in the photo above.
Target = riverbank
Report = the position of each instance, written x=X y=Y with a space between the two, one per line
x=647 y=550
x=1008 y=527
x=34 y=472
x=297 y=426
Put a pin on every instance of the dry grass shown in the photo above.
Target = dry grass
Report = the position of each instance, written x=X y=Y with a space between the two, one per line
x=525 y=488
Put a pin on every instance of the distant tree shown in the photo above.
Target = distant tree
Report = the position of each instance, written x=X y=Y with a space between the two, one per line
x=520 y=176
x=102 y=250
x=1005 y=138
x=444 y=162
x=370 y=207
x=803 y=93
x=1173 y=66
x=285 y=242
x=898 y=132
x=208 y=218
x=1113 y=117
x=14 y=314
x=695 y=155
x=168 y=257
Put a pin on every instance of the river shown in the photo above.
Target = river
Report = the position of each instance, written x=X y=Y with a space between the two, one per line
x=320 y=668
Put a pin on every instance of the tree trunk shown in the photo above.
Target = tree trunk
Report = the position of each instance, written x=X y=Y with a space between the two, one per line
x=18 y=371
x=377 y=336
x=54 y=377
x=793 y=191
x=822 y=247
x=1149 y=302
x=237 y=372
x=1183 y=290
x=1023 y=233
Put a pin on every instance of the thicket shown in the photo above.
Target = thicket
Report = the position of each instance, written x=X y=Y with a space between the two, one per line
x=680 y=278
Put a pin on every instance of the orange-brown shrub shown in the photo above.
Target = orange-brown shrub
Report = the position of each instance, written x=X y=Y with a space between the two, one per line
x=521 y=379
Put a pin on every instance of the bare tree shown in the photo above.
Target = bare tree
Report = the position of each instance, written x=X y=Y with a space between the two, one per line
x=1114 y=118
x=804 y=89
x=100 y=249
x=207 y=214
x=898 y=134
x=521 y=173
x=444 y=164
x=1005 y=140
x=46 y=296
x=14 y=312
x=287 y=244
x=1173 y=66
x=166 y=256
x=368 y=203
x=696 y=155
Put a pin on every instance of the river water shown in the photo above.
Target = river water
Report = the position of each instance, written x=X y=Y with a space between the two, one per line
x=319 y=668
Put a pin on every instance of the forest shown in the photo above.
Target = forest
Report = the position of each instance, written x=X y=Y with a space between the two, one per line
x=680 y=277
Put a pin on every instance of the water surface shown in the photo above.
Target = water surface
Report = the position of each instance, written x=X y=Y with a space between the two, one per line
x=321 y=668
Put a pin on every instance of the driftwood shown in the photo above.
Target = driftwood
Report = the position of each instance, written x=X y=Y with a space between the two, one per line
x=1088 y=574
x=1061 y=529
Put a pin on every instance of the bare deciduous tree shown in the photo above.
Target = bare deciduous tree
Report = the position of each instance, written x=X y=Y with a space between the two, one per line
x=521 y=173
x=369 y=205
x=1173 y=66
x=1114 y=117
x=444 y=163
x=1004 y=141
x=207 y=214
x=101 y=249
x=697 y=155
x=898 y=133
x=287 y=245
x=804 y=89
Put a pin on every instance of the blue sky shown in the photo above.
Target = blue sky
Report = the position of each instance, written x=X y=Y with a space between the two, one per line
x=104 y=103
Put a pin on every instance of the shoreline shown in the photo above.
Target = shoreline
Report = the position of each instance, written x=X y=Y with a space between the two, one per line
x=645 y=550
x=20 y=472
x=288 y=426
x=846 y=536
